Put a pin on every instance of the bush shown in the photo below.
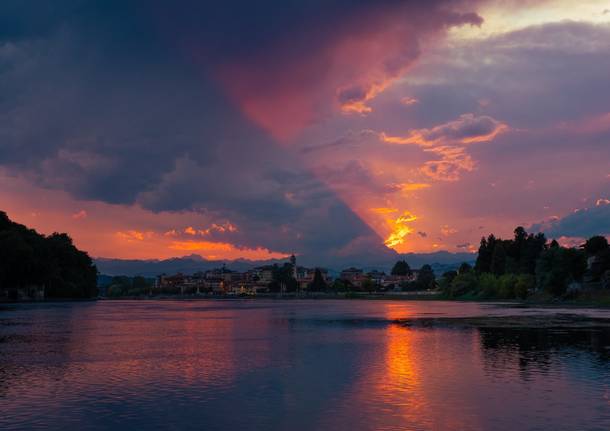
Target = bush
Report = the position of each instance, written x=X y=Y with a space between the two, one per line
x=488 y=285
x=506 y=286
x=525 y=284
x=463 y=284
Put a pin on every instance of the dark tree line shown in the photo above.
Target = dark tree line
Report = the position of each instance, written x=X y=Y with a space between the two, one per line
x=517 y=255
x=29 y=259
x=527 y=263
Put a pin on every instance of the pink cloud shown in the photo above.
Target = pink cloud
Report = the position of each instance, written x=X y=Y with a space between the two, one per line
x=300 y=78
x=79 y=215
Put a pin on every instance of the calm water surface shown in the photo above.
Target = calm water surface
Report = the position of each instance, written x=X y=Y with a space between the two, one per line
x=294 y=365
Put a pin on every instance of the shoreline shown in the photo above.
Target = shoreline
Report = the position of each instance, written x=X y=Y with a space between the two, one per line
x=403 y=296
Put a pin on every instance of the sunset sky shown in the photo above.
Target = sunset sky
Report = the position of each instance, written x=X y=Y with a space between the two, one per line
x=333 y=129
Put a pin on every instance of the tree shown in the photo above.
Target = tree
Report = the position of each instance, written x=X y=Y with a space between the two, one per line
x=595 y=244
x=29 y=259
x=517 y=246
x=525 y=284
x=317 y=284
x=341 y=285
x=464 y=268
x=557 y=267
x=139 y=282
x=498 y=260
x=445 y=281
x=401 y=268
x=463 y=284
x=483 y=263
x=368 y=285
x=449 y=275
x=425 y=277
x=283 y=279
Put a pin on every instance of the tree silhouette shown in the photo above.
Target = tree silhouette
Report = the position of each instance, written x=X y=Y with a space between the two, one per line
x=425 y=277
x=498 y=260
x=401 y=268
x=29 y=259
x=317 y=284
x=595 y=244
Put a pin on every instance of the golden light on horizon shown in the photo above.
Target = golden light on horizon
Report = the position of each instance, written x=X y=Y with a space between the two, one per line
x=400 y=230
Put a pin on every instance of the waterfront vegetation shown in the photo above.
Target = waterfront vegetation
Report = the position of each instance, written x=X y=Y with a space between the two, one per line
x=525 y=267
x=35 y=265
x=530 y=267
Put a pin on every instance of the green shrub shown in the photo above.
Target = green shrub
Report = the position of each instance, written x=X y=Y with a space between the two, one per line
x=524 y=285
x=463 y=284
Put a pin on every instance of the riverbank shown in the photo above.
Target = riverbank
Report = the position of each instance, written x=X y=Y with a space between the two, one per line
x=559 y=321
x=595 y=300
x=591 y=299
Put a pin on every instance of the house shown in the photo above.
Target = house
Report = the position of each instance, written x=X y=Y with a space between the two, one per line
x=350 y=273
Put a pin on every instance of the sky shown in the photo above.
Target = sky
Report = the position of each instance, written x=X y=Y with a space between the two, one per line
x=336 y=130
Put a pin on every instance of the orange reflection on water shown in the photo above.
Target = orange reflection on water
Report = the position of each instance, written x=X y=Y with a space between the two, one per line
x=418 y=382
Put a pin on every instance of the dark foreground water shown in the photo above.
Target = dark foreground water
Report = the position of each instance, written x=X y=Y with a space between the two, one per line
x=295 y=365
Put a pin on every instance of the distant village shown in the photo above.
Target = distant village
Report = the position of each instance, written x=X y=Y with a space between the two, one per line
x=287 y=278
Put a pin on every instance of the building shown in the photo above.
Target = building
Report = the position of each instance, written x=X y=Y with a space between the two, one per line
x=350 y=273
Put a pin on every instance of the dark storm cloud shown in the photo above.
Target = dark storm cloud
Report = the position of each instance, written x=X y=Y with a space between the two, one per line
x=582 y=223
x=119 y=101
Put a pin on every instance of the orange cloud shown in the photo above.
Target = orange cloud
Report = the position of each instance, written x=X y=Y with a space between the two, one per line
x=412 y=187
x=447 y=140
x=223 y=250
x=200 y=245
x=399 y=229
x=134 y=235
x=453 y=161
x=221 y=228
x=467 y=129
x=79 y=215
x=446 y=230
x=383 y=210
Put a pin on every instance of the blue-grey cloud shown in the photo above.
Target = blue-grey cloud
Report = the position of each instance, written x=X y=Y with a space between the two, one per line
x=582 y=223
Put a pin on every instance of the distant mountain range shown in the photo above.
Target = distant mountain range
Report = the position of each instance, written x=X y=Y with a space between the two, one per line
x=440 y=261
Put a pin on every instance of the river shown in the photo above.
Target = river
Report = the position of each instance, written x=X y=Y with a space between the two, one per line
x=296 y=365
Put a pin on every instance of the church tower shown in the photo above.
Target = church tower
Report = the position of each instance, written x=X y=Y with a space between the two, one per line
x=293 y=262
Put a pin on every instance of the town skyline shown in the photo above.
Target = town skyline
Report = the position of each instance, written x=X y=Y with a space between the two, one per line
x=337 y=132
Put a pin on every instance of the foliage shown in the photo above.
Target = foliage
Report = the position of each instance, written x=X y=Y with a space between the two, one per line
x=340 y=285
x=283 y=279
x=28 y=259
x=517 y=255
x=127 y=286
x=526 y=264
x=557 y=267
x=401 y=268
x=462 y=284
x=595 y=245
x=368 y=285
x=464 y=268
x=425 y=278
x=526 y=283
x=317 y=284
x=498 y=260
